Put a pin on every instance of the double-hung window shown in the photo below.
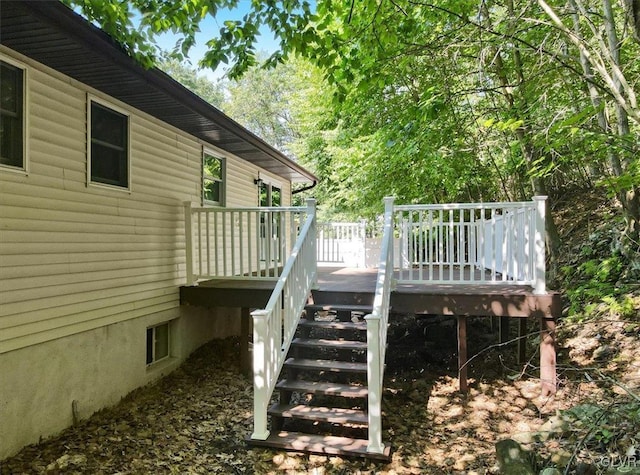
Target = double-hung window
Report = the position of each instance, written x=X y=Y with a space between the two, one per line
x=213 y=179
x=109 y=146
x=12 y=117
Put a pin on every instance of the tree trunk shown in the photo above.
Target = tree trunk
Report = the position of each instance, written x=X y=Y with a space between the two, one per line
x=523 y=133
x=630 y=197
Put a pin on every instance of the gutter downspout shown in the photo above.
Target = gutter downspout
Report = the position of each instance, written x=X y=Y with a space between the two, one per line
x=305 y=188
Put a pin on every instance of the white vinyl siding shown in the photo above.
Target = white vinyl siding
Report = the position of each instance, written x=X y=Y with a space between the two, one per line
x=75 y=257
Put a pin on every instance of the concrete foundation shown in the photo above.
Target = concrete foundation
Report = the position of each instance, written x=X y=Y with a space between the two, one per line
x=43 y=387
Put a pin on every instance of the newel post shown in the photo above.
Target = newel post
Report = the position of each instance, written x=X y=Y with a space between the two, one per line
x=374 y=383
x=188 y=238
x=540 y=285
x=260 y=374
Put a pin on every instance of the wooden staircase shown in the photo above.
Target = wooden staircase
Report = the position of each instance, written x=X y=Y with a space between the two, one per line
x=323 y=386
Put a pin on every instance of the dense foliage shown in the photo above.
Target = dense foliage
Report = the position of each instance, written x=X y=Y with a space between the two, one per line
x=433 y=101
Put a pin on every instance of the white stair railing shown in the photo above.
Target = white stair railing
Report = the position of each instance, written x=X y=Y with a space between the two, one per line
x=239 y=243
x=377 y=323
x=446 y=243
x=275 y=325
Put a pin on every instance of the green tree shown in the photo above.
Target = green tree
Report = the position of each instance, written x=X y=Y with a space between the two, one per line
x=212 y=92
x=446 y=100
x=260 y=101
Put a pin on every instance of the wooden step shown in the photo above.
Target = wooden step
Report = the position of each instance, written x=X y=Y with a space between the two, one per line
x=326 y=365
x=340 y=308
x=321 y=444
x=335 y=344
x=320 y=414
x=328 y=389
x=332 y=325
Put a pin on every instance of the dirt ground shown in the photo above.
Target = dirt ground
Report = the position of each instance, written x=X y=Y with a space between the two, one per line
x=196 y=420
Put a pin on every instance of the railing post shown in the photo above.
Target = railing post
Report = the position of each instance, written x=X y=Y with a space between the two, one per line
x=260 y=374
x=374 y=383
x=539 y=283
x=311 y=211
x=188 y=238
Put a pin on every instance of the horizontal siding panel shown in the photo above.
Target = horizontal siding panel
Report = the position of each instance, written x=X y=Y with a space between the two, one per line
x=164 y=228
x=10 y=236
x=52 y=302
x=45 y=151
x=35 y=338
x=21 y=295
x=155 y=183
x=74 y=257
x=27 y=260
x=44 y=215
x=136 y=299
x=87 y=315
x=50 y=126
x=57 y=248
x=36 y=193
x=42 y=269
x=65 y=102
x=86 y=277
x=241 y=191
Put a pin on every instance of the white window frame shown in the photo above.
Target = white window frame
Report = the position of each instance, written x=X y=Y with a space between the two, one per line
x=109 y=105
x=153 y=328
x=24 y=169
x=223 y=179
x=270 y=184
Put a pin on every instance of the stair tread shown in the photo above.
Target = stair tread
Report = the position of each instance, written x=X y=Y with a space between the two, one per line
x=321 y=444
x=333 y=325
x=340 y=307
x=326 y=365
x=320 y=413
x=321 y=342
x=330 y=389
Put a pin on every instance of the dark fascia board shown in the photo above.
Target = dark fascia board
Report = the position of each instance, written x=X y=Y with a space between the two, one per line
x=83 y=32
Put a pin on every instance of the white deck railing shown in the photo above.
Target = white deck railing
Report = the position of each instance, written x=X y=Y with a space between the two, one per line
x=275 y=325
x=377 y=323
x=341 y=243
x=467 y=243
x=239 y=243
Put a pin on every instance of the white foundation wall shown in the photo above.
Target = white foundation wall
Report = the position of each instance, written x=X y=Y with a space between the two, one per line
x=96 y=368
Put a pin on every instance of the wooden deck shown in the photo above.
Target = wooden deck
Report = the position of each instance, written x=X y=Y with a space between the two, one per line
x=357 y=286
x=351 y=286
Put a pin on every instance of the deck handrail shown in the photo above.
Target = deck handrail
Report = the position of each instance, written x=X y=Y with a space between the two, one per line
x=377 y=323
x=275 y=325
x=249 y=243
x=503 y=240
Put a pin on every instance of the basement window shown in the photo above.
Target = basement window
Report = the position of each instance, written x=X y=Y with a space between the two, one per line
x=157 y=343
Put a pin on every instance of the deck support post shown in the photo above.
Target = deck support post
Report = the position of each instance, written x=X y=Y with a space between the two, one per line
x=462 y=353
x=548 y=355
x=504 y=329
x=522 y=340
x=245 y=329
x=188 y=242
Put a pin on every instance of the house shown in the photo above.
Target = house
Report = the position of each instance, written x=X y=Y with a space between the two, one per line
x=98 y=157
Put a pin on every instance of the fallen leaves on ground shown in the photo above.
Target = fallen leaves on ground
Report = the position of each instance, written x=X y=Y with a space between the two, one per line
x=196 y=419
